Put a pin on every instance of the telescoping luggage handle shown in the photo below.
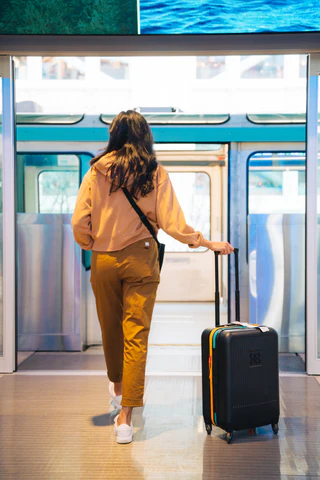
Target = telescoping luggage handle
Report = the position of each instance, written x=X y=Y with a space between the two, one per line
x=217 y=293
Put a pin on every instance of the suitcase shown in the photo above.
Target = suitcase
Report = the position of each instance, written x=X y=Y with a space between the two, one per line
x=240 y=372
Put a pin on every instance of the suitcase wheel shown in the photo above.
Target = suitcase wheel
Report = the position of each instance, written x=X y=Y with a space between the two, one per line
x=208 y=428
x=252 y=431
x=229 y=437
x=275 y=428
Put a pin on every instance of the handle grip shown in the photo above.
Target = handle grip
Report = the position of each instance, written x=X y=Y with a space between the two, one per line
x=237 y=289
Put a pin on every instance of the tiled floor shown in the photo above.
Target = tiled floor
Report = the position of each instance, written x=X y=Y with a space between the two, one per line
x=56 y=422
x=60 y=427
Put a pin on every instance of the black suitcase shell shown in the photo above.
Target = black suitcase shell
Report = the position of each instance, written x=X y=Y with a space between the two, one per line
x=245 y=375
x=246 y=379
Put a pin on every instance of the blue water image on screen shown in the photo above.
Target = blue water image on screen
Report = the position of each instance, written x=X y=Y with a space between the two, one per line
x=228 y=16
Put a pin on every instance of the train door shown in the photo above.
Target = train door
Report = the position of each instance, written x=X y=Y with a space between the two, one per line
x=188 y=274
x=268 y=224
x=49 y=261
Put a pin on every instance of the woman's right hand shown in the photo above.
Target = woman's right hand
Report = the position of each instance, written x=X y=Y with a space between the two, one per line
x=223 y=247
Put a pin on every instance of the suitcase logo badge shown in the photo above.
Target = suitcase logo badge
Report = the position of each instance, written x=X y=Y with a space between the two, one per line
x=255 y=359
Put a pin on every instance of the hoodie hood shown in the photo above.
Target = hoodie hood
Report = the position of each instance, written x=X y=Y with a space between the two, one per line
x=103 y=164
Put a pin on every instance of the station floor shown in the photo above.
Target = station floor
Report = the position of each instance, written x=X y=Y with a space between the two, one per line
x=56 y=422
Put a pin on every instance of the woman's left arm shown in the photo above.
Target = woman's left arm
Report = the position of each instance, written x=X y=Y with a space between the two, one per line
x=81 y=219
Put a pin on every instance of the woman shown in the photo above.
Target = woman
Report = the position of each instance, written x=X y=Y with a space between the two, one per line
x=125 y=267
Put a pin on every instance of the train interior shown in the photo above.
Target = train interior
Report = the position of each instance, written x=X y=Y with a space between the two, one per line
x=237 y=163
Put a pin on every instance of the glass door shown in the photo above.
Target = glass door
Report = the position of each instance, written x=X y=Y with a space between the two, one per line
x=313 y=219
x=7 y=218
x=188 y=274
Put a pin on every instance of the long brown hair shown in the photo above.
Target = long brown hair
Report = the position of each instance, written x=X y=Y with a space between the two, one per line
x=131 y=142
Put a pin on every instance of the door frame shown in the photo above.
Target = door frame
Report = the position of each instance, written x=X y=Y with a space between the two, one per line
x=8 y=362
x=312 y=314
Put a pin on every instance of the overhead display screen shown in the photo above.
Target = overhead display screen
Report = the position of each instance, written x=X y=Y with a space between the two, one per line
x=157 y=17
x=228 y=16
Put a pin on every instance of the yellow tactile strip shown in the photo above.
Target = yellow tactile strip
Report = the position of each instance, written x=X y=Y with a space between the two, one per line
x=59 y=428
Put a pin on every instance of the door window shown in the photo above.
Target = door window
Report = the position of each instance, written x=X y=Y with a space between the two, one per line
x=276 y=182
x=48 y=182
x=58 y=191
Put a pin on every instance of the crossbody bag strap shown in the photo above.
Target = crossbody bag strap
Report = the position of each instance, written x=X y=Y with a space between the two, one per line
x=138 y=210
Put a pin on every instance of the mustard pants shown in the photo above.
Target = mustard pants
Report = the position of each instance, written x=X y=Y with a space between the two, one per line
x=125 y=285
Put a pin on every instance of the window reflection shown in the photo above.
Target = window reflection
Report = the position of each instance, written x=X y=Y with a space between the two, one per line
x=115 y=68
x=58 y=191
x=210 y=67
x=28 y=106
x=277 y=182
x=21 y=72
x=302 y=66
x=268 y=66
x=56 y=68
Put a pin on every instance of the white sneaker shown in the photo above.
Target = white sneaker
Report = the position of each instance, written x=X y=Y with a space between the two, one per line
x=115 y=399
x=124 y=432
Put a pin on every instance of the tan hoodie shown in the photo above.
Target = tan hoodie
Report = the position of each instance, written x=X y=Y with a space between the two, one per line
x=107 y=223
